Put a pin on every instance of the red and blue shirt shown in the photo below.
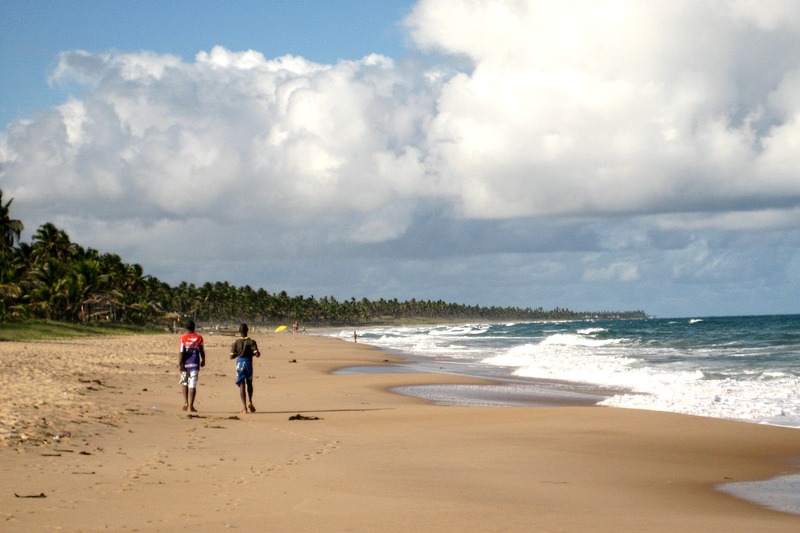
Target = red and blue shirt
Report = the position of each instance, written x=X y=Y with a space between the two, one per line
x=191 y=350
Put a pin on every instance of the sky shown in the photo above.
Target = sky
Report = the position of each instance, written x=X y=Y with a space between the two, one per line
x=594 y=155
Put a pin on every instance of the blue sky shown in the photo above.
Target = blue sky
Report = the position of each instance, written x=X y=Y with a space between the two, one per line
x=33 y=33
x=590 y=155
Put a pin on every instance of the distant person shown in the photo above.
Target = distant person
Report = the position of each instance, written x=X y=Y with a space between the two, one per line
x=192 y=357
x=295 y=327
x=243 y=350
x=355 y=337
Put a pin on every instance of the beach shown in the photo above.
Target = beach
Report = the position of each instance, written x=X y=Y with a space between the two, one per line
x=94 y=438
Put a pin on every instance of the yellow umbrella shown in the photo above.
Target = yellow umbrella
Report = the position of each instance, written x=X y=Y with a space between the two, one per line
x=280 y=328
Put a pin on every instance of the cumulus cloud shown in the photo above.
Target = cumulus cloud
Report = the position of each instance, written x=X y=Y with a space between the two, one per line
x=534 y=127
x=233 y=137
x=614 y=107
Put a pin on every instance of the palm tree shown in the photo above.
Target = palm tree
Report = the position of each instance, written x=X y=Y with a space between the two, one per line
x=10 y=229
x=51 y=242
x=89 y=278
x=51 y=290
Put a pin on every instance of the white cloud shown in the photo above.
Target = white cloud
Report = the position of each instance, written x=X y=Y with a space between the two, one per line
x=606 y=106
x=768 y=15
x=615 y=271
x=234 y=134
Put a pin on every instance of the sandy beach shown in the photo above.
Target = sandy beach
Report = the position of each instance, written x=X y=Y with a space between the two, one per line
x=93 y=438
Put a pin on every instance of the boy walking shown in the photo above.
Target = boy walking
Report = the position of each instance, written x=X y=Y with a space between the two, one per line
x=192 y=357
x=243 y=350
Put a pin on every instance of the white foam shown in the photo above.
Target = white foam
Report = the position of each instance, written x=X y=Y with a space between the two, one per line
x=568 y=339
x=591 y=331
x=648 y=377
x=457 y=330
x=577 y=361
x=767 y=397
x=771 y=401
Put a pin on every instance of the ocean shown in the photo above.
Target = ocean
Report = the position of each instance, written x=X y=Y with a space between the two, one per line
x=741 y=368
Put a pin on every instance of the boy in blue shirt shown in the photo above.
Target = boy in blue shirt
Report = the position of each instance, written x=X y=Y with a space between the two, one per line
x=243 y=350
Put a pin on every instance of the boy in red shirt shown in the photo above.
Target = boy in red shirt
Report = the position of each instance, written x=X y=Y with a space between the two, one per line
x=192 y=357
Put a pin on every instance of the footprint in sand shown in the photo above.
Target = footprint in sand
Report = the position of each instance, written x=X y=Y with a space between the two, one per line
x=324 y=450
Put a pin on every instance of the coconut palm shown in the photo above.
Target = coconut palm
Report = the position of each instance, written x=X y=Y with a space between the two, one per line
x=50 y=290
x=14 y=261
x=89 y=279
x=10 y=229
x=51 y=242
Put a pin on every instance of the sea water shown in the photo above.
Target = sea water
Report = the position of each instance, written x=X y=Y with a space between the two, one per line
x=740 y=368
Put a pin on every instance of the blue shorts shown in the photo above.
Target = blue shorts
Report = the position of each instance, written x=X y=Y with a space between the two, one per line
x=244 y=370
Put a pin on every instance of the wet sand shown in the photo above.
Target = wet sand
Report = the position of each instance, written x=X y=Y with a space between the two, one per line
x=94 y=438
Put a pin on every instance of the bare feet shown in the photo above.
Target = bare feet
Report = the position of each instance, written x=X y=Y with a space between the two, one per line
x=185 y=407
x=243 y=412
x=192 y=409
x=251 y=407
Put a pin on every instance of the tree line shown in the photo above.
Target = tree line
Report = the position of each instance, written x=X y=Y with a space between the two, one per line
x=54 y=278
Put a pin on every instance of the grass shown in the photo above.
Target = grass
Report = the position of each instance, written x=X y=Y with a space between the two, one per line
x=31 y=330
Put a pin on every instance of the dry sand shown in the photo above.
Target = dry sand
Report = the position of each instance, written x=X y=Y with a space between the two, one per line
x=129 y=459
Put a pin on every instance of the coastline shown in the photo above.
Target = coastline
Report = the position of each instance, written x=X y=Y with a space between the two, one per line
x=375 y=460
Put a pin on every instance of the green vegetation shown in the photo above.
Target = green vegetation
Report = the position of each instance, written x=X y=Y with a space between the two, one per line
x=28 y=330
x=55 y=279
